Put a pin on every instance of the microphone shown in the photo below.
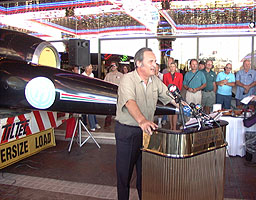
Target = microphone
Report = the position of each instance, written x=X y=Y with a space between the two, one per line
x=170 y=94
x=187 y=111
x=201 y=112
x=174 y=90
x=195 y=112
x=198 y=107
x=184 y=108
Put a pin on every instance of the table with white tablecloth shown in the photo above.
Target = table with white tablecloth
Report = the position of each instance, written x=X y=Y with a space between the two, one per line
x=235 y=135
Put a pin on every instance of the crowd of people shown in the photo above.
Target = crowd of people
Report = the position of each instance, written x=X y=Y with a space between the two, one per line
x=200 y=85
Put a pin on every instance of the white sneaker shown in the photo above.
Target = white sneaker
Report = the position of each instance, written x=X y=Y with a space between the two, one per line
x=164 y=122
x=97 y=126
x=93 y=129
x=159 y=125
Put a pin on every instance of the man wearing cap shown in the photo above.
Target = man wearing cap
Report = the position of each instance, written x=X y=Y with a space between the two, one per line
x=114 y=76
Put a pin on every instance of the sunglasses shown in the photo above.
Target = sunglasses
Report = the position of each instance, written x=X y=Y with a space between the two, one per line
x=113 y=66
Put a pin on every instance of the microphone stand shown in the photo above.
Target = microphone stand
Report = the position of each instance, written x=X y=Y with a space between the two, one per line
x=199 y=121
x=197 y=116
x=181 y=113
x=199 y=124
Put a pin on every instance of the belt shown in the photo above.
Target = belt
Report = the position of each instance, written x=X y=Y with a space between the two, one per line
x=127 y=125
x=207 y=90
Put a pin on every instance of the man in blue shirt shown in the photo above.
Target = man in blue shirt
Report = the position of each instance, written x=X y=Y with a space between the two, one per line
x=194 y=81
x=225 y=81
x=246 y=83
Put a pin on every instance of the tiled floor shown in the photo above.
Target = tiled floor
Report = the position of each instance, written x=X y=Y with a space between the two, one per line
x=60 y=186
x=85 y=173
x=88 y=173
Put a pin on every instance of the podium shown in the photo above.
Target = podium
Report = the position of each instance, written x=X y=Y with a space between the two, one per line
x=185 y=164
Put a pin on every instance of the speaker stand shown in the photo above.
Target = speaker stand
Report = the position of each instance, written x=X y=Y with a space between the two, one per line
x=79 y=125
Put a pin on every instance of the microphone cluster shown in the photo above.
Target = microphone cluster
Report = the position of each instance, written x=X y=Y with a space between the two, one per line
x=195 y=110
x=189 y=110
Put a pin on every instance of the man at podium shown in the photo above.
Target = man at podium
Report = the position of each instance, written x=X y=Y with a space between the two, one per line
x=138 y=94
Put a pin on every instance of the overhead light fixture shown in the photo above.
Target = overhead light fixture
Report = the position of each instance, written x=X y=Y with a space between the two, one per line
x=252 y=24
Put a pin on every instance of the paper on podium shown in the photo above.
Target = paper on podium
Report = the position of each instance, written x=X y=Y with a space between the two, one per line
x=215 y=116
x=246 y=100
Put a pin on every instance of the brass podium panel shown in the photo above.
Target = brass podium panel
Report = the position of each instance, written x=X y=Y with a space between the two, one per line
x=184 y=165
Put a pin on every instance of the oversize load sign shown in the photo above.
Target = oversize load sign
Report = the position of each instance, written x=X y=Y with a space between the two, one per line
x=19 y=149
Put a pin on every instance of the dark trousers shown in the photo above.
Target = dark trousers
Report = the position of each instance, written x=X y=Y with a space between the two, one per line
x=84 y=119
x=128 y=154
x=224 y=100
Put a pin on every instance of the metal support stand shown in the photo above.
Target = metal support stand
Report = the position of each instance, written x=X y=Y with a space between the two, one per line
x=182 y=114
x=79 y=124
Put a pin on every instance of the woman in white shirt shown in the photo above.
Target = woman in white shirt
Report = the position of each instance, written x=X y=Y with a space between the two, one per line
x=91 y=118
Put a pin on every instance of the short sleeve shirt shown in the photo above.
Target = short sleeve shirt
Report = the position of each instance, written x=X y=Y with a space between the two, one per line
x=246 y=78
x=196 y=82
x=91 y=74
x=114 y=77
x=210 y=79
x=131 y=88
x=225 y=89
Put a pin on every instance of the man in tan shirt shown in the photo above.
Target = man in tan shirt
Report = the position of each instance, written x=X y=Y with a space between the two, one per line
x=138 y=93
x=114 y=76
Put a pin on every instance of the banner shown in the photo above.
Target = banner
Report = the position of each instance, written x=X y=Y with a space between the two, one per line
x=19 y=149
x=13 y=128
